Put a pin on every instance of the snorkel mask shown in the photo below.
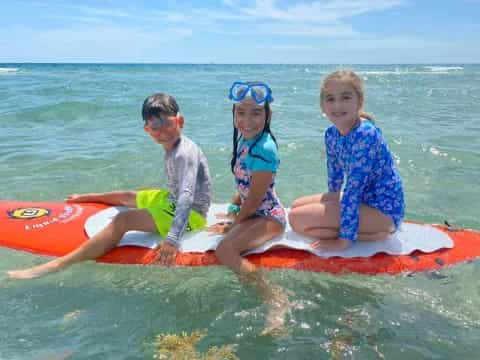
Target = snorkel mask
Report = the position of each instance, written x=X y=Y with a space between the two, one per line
x=258 y=91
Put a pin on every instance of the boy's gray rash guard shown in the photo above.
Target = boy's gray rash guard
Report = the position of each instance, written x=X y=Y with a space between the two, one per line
x=189 y=184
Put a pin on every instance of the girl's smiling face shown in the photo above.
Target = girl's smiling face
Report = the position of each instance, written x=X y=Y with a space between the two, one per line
x=341 y=103
x=249 y=118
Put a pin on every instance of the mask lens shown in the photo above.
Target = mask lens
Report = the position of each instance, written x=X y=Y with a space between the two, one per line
x=157 y=124
x=259 y=93
x=239 y=92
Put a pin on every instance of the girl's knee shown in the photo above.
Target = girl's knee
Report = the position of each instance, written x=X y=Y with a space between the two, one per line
x=295 y=203
x=224 y=251
x=293 y=220
x=300 y=202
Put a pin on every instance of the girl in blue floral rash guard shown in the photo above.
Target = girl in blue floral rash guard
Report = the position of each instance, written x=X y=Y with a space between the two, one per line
x=371 y=205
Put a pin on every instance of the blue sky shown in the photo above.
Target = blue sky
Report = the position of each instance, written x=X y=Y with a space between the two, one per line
x=231 y=31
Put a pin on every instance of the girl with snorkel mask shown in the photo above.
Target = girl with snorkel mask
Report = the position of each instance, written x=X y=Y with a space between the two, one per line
x=258 y=216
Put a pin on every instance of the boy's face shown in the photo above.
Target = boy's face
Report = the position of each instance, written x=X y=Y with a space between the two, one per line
x=165 y=130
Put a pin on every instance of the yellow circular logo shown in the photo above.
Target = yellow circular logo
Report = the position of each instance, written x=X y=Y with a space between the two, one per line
x=28 y=213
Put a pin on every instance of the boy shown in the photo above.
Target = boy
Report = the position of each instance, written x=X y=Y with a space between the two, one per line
x=183 y=207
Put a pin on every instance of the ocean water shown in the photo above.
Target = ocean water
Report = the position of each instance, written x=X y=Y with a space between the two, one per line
x=77 y=128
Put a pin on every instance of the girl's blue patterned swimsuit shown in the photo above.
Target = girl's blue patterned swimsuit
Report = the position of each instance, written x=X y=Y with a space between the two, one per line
x=363 y=157
x=246 y=164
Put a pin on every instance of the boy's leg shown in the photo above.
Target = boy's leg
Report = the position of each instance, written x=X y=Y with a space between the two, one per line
x=98 y=245
x=125 y=198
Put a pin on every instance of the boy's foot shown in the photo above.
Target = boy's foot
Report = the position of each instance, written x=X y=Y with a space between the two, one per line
x=35 y=272
x=77 y=198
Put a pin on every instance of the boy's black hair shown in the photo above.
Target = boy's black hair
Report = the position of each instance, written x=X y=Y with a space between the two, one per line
x=159 y=104
x=236 y=137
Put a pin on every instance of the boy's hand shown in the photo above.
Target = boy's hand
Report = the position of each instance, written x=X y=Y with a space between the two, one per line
x=165 y=254
x=219 y=228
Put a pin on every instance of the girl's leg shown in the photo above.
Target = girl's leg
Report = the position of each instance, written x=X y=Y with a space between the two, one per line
x=125 y=198
x=246 y=236
x=95 y=247
x=315 y=199
x=322 y=221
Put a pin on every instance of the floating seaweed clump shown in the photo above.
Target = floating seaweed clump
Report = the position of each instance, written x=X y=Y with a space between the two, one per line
x=182 y=347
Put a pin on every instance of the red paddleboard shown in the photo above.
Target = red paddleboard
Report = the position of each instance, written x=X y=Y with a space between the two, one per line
x=56 y=228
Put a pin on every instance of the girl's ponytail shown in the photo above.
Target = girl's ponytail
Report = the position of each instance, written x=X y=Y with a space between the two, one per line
x=366 y=115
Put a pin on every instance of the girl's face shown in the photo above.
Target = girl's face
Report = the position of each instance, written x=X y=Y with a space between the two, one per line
x=341 y=104
x=249 y=118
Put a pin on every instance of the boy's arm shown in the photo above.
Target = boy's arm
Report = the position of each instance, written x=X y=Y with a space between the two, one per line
x=187 y=169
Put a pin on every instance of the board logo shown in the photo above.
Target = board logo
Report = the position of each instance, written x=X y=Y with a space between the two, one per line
x=28 y=213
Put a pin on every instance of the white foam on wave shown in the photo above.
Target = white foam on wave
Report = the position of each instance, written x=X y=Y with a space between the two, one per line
x=444 y=68
x=414 y=70
x=7 y=70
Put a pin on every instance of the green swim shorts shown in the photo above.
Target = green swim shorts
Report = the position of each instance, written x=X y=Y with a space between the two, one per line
x=163 y=211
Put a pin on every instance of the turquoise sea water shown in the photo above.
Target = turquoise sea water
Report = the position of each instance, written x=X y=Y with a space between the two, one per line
x=77 y=128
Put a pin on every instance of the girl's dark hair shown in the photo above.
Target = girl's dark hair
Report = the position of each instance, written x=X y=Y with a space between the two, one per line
x=159 y=104
x=236 y=137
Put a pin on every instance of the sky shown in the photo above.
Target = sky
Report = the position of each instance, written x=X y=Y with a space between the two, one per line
x=245 y=32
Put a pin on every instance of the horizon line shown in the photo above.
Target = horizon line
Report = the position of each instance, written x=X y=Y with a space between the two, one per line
x=226 y=63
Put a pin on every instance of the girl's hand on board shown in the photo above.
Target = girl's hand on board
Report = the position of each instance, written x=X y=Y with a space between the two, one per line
x=225 y=216
x=219 y=228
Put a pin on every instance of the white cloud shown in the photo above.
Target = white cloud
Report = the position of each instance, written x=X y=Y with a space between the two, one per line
x=301 y=30
x=315 y=11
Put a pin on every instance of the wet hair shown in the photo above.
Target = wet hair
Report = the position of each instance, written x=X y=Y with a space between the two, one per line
x=351 y=78
x=237 y=137
x=159 y=104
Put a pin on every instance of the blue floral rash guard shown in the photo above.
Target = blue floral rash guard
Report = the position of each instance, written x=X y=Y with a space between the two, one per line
x=363 y=158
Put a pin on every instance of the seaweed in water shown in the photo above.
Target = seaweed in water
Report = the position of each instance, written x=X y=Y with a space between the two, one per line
x=182 y=347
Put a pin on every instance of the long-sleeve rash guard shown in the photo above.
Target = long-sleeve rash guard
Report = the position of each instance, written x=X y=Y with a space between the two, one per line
x=363 y=158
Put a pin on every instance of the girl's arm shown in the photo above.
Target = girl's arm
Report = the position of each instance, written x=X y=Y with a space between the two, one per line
x=260 y=182
x=362 y=164
x=334 y=171
x=236 y=199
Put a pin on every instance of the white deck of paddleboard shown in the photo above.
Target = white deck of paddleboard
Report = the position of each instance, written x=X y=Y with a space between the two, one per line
x=409 y=238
